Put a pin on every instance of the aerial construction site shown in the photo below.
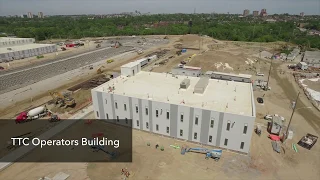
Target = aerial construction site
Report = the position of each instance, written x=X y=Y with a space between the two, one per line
x=230 y=102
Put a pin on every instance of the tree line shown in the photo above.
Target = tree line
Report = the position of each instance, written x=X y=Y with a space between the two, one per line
x=223 y=27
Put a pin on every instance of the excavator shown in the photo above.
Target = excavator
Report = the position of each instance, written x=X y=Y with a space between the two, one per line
x=99 y=71
x=62 y=100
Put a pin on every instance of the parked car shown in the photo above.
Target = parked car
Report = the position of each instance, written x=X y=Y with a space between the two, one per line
x=268 y=117
x=282 y=118
x=260 y=100
x=260 y=74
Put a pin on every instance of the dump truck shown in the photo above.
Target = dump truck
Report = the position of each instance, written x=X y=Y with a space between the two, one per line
x=32 y=114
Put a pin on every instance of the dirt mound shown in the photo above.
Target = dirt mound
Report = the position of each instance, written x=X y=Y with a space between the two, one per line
x=222 y=61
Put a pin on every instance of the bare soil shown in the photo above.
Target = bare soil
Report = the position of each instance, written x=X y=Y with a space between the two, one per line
x=261 y=163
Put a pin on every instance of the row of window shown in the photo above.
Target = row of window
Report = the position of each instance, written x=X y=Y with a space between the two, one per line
x=195 y=135
x=226 y=143
x=245 y=128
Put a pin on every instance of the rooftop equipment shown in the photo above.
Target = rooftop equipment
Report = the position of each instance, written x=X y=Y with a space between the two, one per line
x=185 y=84
x=201 y=85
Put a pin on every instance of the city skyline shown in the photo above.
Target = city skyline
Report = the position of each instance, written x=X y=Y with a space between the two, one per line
x=50 y=7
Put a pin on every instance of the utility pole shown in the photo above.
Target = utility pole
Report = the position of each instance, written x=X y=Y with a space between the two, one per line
x=294 y=108
x=279 y=32
x=269 y=75
x=199 y=43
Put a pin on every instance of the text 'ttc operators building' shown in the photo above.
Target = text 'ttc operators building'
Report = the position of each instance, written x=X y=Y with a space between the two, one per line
x=209 y=111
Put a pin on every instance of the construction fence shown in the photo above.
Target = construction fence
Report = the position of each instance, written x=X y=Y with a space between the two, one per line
x=298 y=77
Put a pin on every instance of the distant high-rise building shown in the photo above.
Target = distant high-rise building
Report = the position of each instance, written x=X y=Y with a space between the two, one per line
x=30 y=15
x=40 y=15
x=246 y=12
x=302 y=14
x=263 y=12
x=255 y=13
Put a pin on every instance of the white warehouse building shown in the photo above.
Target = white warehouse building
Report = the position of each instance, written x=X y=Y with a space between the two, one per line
x=199 y=109
x=20 y=48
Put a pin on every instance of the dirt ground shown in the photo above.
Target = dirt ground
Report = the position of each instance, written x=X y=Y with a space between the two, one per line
x=261 y=163
x=315 y=85
x=41 y=99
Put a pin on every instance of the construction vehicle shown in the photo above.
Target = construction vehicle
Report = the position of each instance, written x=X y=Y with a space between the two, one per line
x=98 y=45
x=63 y=100
x=54 y=118
x=214 y=153
x=139 y=51
x=32 y=114
x=97 y=148
x=99 y=71
x=117 y=44
x=109 y=61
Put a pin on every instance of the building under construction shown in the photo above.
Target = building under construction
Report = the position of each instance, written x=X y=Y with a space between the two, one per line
x=209 y=111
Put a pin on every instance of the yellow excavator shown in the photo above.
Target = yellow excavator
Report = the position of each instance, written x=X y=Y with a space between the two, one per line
x=99 y=71
x=62 y=100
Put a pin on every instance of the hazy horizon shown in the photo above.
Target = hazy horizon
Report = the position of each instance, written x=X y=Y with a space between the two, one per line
x=71 y=7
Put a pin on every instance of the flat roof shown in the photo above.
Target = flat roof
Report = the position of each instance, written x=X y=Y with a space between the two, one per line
x=186 y=69
x=131 y=64
x=6 y=39
x=22 y=47
x=219 y=95
x=229 y=74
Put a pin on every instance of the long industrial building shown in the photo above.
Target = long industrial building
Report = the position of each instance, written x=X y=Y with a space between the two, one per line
x=213 y=112
x=20 y=48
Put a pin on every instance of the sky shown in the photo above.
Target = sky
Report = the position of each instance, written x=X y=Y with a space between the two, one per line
x=70 y=7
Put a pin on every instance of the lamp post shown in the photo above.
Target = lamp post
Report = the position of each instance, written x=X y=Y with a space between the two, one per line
x=294 y=109
x=267 y=88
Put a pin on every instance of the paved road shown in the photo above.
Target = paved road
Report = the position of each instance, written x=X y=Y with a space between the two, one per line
x=17 y=154
x=18 y=78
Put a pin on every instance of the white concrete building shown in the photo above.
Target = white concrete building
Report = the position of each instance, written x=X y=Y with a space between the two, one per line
x=229 y=77
x=203 y=110
x=302 y=65
x=19 y=48
x=187 y=71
